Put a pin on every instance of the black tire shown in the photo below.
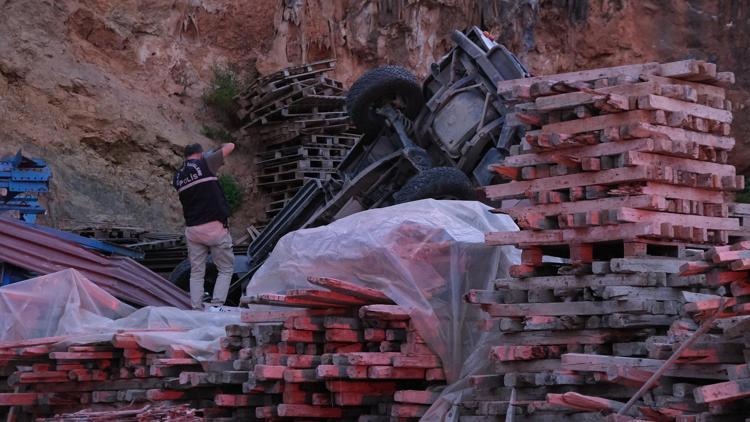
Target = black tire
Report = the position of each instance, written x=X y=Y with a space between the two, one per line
x=180 y=277
x=377 y=87
x=437 y=183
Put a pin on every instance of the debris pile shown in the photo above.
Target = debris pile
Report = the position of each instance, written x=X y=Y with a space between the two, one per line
x=625 y=169
x=351 y=352
x=297 y=116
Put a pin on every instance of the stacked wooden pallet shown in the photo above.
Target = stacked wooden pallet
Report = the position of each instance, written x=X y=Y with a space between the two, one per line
x=343 y=352
x=621 y=173
x=297 y=116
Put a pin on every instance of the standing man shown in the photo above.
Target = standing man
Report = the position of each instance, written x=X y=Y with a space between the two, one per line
x=206 y=212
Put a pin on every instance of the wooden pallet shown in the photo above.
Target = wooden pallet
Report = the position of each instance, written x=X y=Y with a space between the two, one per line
x=298 y=117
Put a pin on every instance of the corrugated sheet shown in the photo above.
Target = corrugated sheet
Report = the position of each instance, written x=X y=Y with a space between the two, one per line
x=30 y=248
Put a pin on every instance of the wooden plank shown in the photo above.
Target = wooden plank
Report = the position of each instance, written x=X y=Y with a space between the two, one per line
x=604 y=121
x=32 y=342
x=600 y=363
x=344 y=336
x=657 y=102
x=580 y=282
x=740 y=265
x=364 y=358
x=308 y=411
x=650 y=264
x=284 y=300
x=680 y=69
x=18 y=399
x=415 y=396
x=637 y=201
x=649 y=293
x=607 y=177
x=384 y=312
x=629 y=231
x=407 y=411
x=638 y=158
x=683 y=192
x=701 y=88
x=389 y=372
x=596 y=150
x=708 y=304
x=726 y=256
x=325 y=296
x=281 y=316
x=362 y=292
x=567 y=308
x=725 y=391
x=572 y=99
x=647 y=130
x=631 y=215
x=302 y=336
x=548 y=338
x=583 y=402
x=416 y=362
x=368 y=386
x=583 y=75
x=520 y=353
x=81 y=355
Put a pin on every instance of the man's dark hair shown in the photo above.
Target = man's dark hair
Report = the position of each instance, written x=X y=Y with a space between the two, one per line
x=193 y=149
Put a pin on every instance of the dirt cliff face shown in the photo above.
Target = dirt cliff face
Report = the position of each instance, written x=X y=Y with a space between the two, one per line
x=109 y=92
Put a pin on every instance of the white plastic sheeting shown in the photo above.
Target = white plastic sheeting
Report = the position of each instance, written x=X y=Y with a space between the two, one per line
x=66 y=303
x=56 y=304
x=424 y=255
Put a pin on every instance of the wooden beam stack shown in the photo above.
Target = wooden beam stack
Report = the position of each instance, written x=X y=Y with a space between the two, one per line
x=343 y=351
x=40 y=380
x=351 y=354
x=623 y=175
x=635 y=154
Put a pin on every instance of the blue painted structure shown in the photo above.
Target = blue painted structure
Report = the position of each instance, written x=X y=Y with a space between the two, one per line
x=21 y=179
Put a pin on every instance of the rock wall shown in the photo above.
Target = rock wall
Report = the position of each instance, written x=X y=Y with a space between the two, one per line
x=110 y=91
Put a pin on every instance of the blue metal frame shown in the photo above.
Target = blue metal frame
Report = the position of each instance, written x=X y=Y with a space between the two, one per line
x=20 y=175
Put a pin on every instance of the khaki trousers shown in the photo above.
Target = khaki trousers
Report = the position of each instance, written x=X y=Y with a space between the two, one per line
x=215 y=239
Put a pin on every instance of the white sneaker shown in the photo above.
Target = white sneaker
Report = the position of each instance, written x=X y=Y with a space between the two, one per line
x=215 y=308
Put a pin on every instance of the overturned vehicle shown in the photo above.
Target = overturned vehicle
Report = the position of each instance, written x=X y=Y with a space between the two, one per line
x=434 y=140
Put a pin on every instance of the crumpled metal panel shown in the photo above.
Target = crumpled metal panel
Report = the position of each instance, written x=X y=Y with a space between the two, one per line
x=30 y=248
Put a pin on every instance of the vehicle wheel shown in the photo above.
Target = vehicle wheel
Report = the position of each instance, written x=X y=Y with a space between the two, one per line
x=380 y=86
x=437 y=183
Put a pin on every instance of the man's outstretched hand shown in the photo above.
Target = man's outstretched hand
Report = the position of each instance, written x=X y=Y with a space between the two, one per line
x=227 y=148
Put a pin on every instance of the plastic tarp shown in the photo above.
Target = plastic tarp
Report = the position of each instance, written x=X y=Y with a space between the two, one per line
x=66 y=303
x=425 y=255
